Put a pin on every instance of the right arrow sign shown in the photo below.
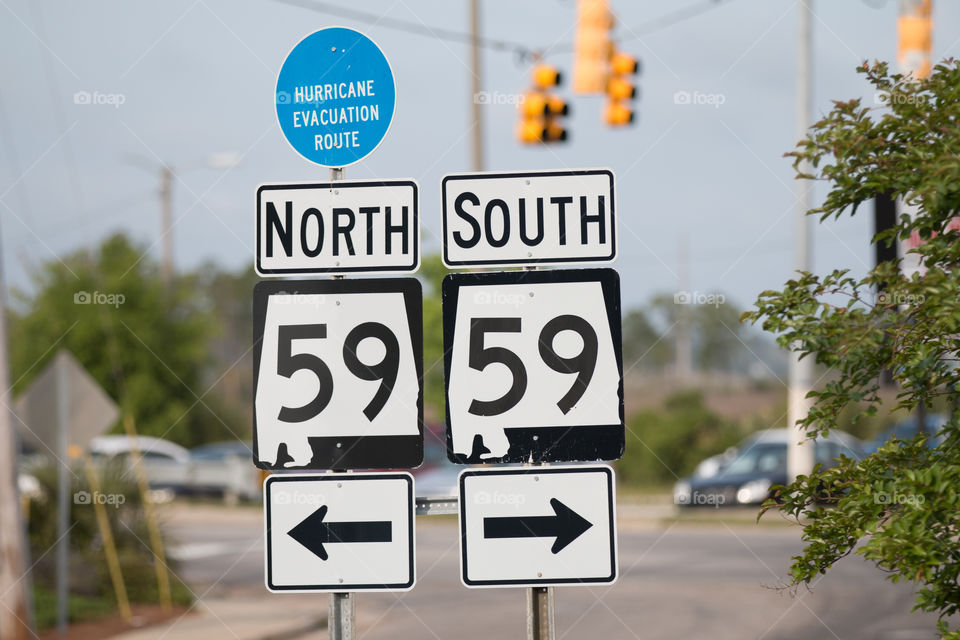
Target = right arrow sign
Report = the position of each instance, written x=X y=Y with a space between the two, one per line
x=565 y=525
x=537 y=526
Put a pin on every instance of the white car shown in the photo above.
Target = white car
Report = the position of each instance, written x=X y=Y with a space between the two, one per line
x=166 y=464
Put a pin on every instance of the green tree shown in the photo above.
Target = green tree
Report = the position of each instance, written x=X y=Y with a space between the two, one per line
x=900 y=507
x=148 y=347
x=666 y=444
x=432 y=272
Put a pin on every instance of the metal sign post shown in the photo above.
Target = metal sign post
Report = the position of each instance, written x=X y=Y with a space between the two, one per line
x=342 y=619
x=343 y=616
x=540 y=613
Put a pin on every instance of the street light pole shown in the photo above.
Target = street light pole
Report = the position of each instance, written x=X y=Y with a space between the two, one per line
x=166 y=222
x=800 y=458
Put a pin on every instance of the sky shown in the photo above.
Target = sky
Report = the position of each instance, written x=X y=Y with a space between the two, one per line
x=181 y=80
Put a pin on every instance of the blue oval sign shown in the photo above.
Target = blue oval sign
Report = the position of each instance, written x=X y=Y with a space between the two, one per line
x=335 y=97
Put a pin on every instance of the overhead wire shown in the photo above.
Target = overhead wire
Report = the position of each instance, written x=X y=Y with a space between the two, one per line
x=522 y=51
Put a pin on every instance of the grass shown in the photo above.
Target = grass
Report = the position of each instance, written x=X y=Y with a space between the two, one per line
x=79 y=608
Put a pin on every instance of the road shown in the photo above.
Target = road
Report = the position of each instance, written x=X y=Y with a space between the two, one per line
x=715 y=580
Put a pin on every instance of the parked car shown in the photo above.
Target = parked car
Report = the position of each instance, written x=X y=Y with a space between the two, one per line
x=759 y=462
x=165 y=463
x=906 y=429
x=225 y=469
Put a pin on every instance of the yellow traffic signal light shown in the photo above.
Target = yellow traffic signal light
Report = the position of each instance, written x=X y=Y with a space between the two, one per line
x=540 y=111
x=621 y=63
x=540 y=130
x=618 y=114
x=592 y=46
x=546 y=76
x=620 y=89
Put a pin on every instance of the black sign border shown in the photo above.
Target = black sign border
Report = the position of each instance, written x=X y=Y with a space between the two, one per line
x=343 y=185
x=590 y=443
x=546 y=581
x=355 y=452
x=465 y=264
x=338 y=478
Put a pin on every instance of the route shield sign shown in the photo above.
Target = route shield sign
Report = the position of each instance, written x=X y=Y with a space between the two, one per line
x=547 y=526
x=533 y=366
x=338 y=369
x=338 y=227
x=339 y=532
x=335 y=97
x=529 y=218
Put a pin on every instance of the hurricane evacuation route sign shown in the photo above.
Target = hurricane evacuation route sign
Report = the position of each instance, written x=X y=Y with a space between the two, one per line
x=339 y=532
x=537 y=527
x=338 y=374
x=335 y=97
x=533 y=365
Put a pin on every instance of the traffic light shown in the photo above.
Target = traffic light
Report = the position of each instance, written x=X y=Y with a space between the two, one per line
x=620 y=89
x=592 y=47
x=540 y=111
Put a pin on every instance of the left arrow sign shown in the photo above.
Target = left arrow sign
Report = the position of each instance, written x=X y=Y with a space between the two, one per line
x=313 y=532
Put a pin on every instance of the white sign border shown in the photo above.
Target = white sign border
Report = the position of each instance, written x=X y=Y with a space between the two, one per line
x=340 y=184
x=469 y=264
x=546 y=582
x=339 y=477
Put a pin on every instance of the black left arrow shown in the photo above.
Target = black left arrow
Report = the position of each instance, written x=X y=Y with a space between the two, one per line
x=566 y=524
x=313 y=532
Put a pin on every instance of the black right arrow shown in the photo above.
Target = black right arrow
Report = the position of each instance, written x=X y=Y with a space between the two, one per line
x=313 y=532
x=566 y=525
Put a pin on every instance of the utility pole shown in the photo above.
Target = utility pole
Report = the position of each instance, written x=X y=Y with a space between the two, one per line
x=476 y=73
x=166 y=221
x=13 y=551
x=800 y=457
x=683 y=356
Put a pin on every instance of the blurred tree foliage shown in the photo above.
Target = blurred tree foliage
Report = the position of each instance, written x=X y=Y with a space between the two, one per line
x=432 y=272
x=148 y=347
x=720 y=343
x=666 y=444
x=899 y=507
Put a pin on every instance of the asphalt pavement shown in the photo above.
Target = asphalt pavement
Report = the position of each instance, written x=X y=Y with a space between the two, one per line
x=718 y=578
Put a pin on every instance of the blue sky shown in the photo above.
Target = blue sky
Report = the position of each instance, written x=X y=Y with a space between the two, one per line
x=196 y=77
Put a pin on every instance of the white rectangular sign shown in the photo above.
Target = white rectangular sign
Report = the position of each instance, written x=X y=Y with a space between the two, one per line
x=529 y=218
x=537 y=527
x=339 y=532
x=533 y=366
x=338 y=374
x=338 y=227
